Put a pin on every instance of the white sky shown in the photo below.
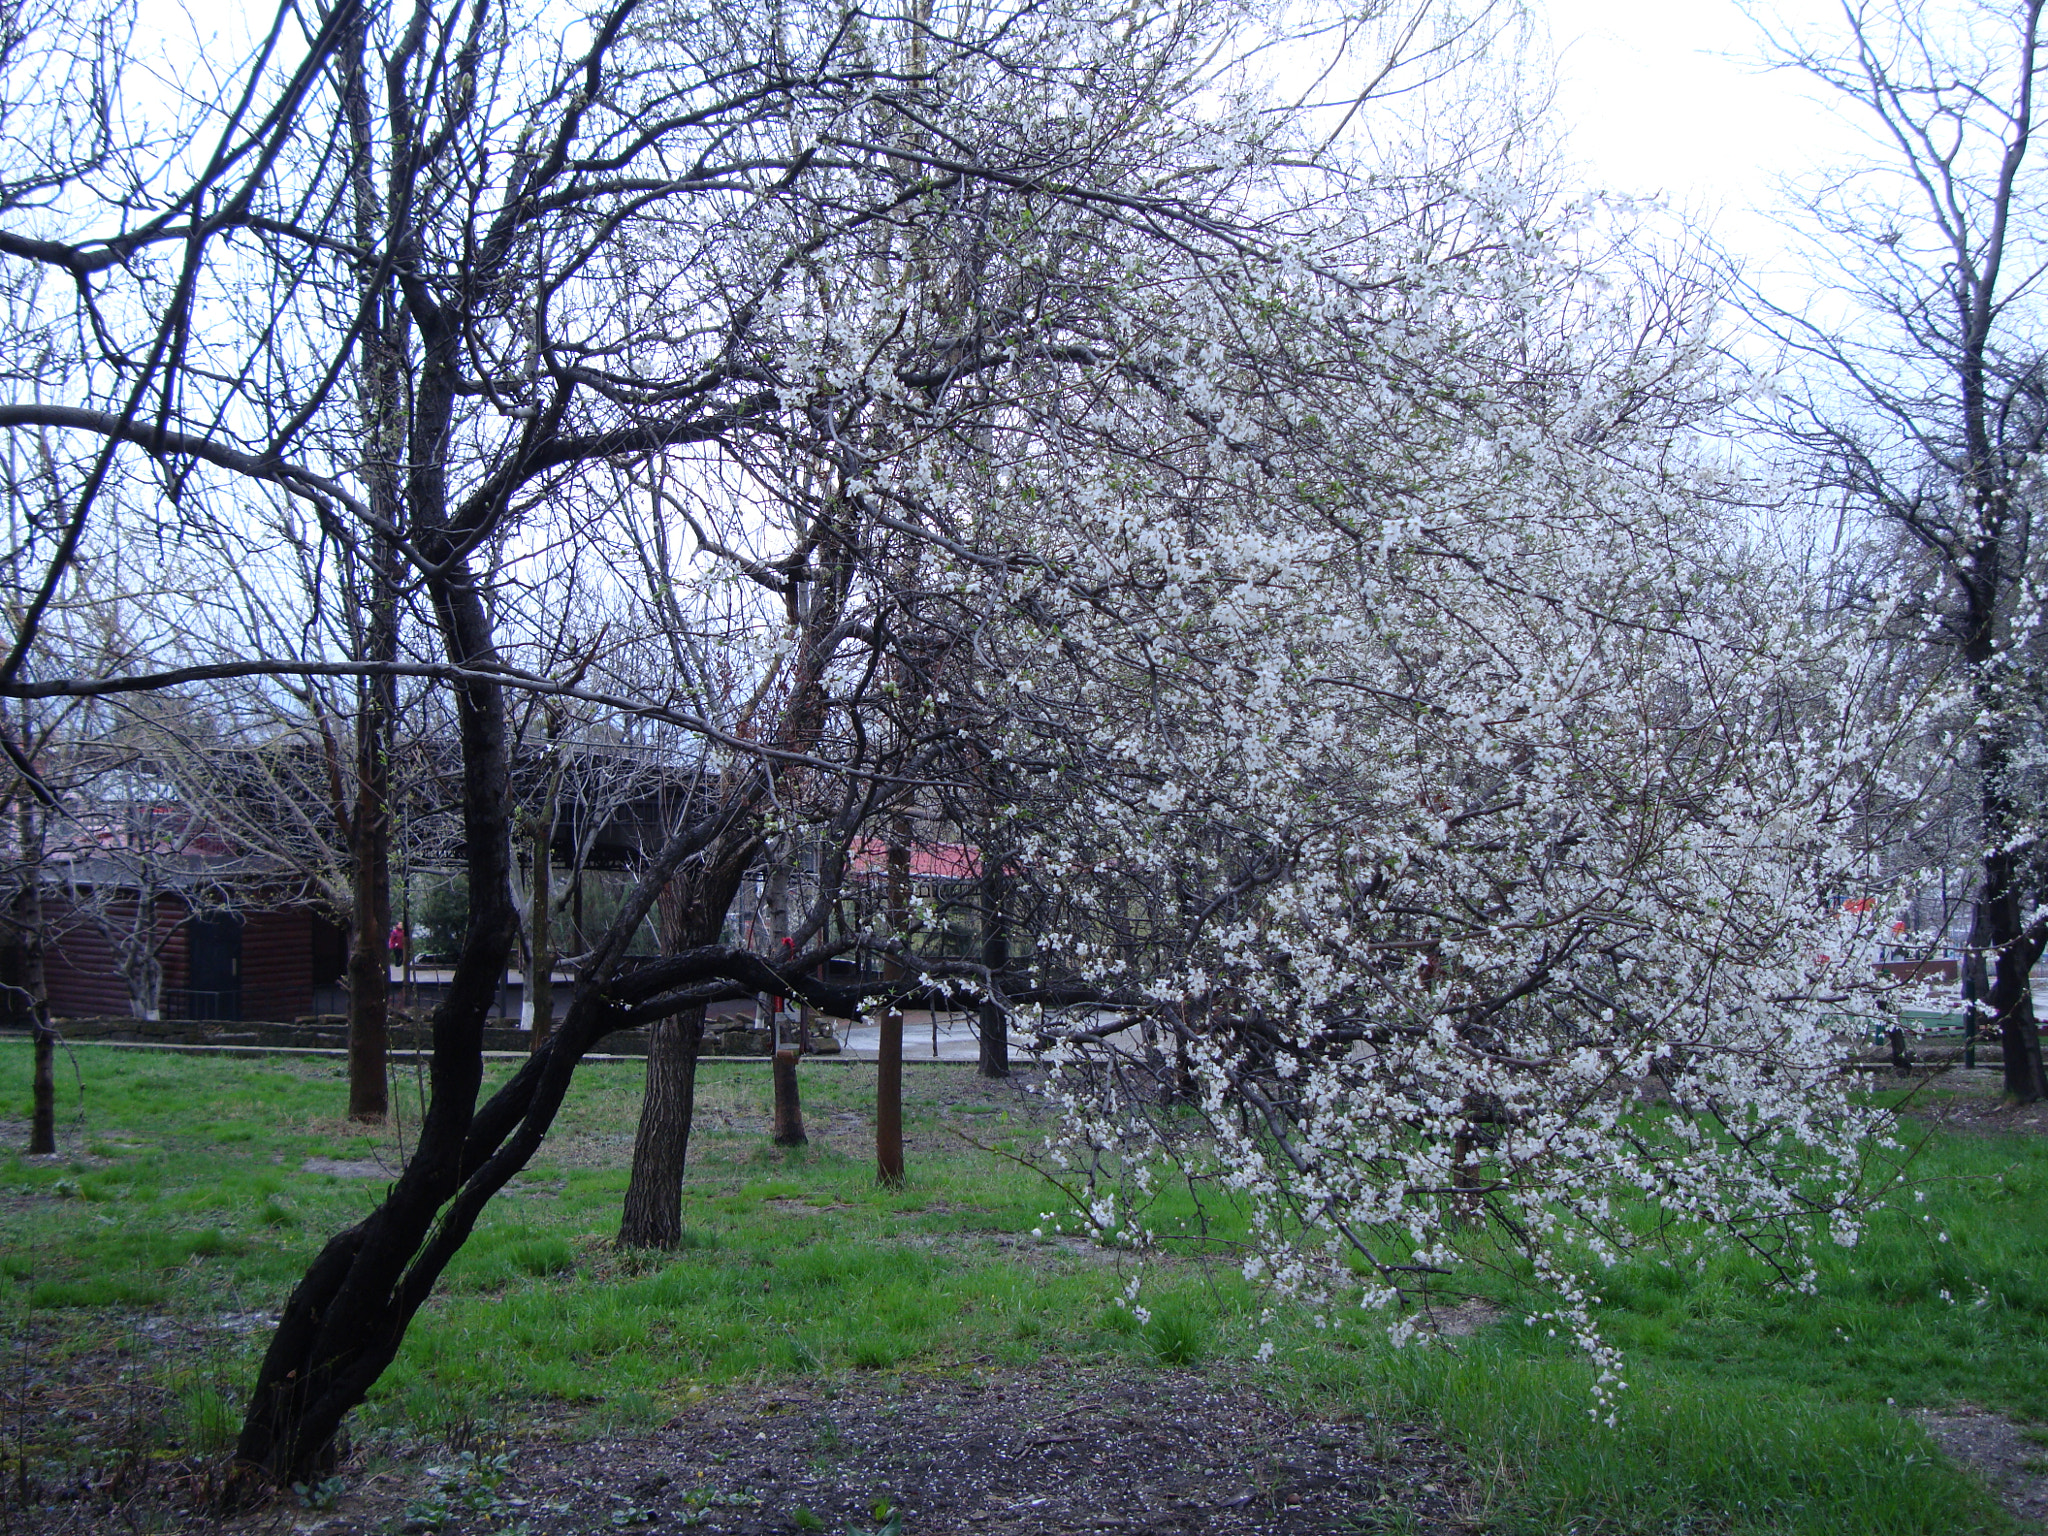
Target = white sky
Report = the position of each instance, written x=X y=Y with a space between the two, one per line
x=1658 y=97
x=1667 y=97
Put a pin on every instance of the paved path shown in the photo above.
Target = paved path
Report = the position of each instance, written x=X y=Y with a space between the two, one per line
x=956 y=1038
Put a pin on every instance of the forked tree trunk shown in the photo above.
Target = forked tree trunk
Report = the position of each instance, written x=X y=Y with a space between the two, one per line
x=652 y=1216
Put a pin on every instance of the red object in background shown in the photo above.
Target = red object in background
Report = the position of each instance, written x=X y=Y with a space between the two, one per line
x=788 y=953
x=397 y=939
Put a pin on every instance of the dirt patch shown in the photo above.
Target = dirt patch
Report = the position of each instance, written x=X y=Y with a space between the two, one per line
x=85 y=1421
x=1463 y=1320
x=995 y=1453
x=1973 y=1104
x=2012 y=1466
x=348 y=1167
x=1007 y=1454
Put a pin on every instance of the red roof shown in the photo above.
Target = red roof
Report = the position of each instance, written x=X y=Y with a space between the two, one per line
x=869 y=856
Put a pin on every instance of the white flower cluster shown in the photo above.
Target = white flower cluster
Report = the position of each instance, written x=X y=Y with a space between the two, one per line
x=1446 y=789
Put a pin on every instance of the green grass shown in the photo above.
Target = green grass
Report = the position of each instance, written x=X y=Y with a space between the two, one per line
x=1944 y=1299
x=1688 y=1454
x=190 y=1198
x=184 y=1196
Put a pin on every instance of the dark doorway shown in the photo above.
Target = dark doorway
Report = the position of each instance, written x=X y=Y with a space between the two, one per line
x=214 y=978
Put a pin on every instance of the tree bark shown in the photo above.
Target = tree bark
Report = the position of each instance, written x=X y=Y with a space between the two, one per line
x=1999 y=930
x=789 y=1109
x=789 y=1112
x=369 y=959
x=540 y=949
x=652 y=1216
x=345 y=1320
x=2014 y=949
x=691 y=911
x=29 y=928
x=889 y=1058
x=994 y=1023
x=381 y=394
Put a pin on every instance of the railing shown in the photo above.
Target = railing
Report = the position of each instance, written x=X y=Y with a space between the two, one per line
x=224 y=1003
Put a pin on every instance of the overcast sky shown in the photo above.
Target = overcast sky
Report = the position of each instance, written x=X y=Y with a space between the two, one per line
x=1657 y=96
x=1669 y=98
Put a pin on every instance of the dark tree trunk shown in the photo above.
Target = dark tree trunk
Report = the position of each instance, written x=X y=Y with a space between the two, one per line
x=1999 y=931
x=42 y=1124
x=369 y=960
x=29 y=928
x=994 y=1022
x=789 y=1109
x=889 y=1058
x=345 y=1320
x=382 y=396
x=653 y=1213
x=540 y=947
x=788 y=1121
x=691 y=911
x=2014 y=951
x=889 y=1094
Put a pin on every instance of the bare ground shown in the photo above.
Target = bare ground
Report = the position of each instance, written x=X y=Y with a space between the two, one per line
x=1971 y=1102
x=1045 y=1452
x=2010 y=1464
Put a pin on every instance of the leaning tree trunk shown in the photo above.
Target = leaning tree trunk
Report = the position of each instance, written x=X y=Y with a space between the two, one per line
x=653 y=1212
x=346 y=1318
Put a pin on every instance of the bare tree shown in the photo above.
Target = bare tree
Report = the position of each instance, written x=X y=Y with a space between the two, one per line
x=1920 y=396
x=822 y=269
